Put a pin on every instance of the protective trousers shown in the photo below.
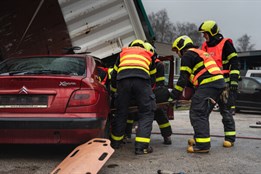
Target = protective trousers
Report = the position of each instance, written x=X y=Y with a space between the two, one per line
x=141 y=90
x=227 y=117
x=200 y=110
x=232 y=100
x=163 y=122
x=160 y=117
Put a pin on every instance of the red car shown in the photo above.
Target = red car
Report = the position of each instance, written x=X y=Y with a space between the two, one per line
x=51 y=100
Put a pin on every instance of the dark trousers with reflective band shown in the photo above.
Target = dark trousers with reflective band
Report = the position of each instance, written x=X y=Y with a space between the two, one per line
x=141 y=90
x=163 y=122
x=131 y=118
x=232 y=99
x=227 y=118
x=160 y=117
x=200 y=110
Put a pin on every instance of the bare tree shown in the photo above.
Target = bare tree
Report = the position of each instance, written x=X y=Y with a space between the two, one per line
x=166 y=31
x=161 y=25
x=189 y=29
x=244 y=44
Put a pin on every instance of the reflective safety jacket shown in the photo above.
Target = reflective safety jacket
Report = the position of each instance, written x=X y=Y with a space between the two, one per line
x=134 y=62
x=135 y=57
x=199 y=68
x=210 y=66
x=226 y=61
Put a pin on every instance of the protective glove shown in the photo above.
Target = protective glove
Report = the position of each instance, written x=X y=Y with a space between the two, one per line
x=174 y=94
x=233 y=86
x=224 y=95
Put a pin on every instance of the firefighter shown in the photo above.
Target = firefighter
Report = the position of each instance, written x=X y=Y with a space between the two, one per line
x=132 y=76
x=102 y=74
x=159 y=91
x=198 y=68
x=224 y=53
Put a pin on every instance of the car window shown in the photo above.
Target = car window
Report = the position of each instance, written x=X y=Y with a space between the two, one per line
x=249 y=84
x=44 y=65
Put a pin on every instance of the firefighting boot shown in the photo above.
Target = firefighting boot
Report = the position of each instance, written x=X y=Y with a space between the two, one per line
x=139 y=151
x=193 y=149
x=127 y=139
x=167 y=140
x=115 y=144
x=228 y=144
x=191 y=142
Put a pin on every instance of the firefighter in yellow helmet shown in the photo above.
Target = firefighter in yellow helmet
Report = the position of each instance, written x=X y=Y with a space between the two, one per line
x=225 y=55
x=162 y=95
x=132 y=77
x=199 y=69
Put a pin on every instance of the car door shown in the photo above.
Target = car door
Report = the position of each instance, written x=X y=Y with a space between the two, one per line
x=249 y=96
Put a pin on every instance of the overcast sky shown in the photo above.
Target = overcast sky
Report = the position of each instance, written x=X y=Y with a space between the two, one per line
x=234 y=17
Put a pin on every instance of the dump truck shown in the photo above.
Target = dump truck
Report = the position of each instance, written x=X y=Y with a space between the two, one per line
x=100 y=28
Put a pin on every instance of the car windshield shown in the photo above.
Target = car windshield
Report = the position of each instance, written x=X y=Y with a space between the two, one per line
x=258 y=79
x=73 y=66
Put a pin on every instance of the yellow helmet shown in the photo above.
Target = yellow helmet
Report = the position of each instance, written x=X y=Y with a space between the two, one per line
x=181 y=42
x=149 y=47
x=137 y=42
x=210 y=27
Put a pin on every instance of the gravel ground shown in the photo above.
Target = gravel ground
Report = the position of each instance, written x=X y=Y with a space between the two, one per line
x=244 y=157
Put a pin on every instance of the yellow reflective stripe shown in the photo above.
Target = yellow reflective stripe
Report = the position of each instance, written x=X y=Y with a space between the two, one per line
x=133 y=67
x=212 y=62
x=231 y=55
x=131 y=62
x=135 y=56
x=232 y=133
x=115 y=68
x=113 y=89
x=142 y=140
x=185 y=68
x=234 y=72
x=160 y=79
x=179 y=88
x=225 y=62
x=191 y=77
x=153 y=71
x=203 y=140
x=116 y=138
x=130 y=121
x=214 y=69
x=211 y=79
x=233 y=83
x=198 y=65
x=164 y=125
x=233 y=107
x=227 y=79
x=109 y=72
